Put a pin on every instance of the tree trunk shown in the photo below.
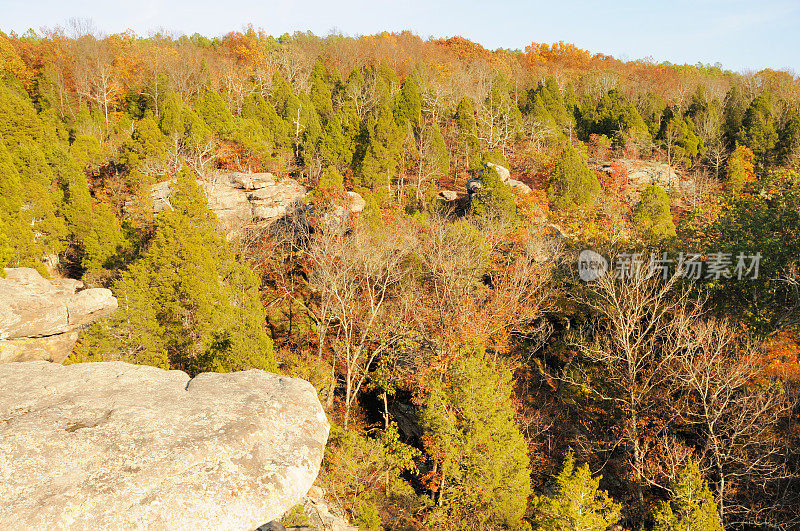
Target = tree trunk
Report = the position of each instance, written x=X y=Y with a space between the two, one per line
x=385 y=412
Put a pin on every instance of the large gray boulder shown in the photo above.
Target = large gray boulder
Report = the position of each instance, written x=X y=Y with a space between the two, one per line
x=502 y=171
x=119 y=446
x=239 y=199
x=39 y=318
x=519 y=186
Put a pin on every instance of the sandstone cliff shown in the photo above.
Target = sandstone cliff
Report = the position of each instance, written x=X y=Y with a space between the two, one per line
x=119 y=446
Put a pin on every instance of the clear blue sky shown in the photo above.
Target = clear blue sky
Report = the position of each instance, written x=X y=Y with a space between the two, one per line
x=741 y=35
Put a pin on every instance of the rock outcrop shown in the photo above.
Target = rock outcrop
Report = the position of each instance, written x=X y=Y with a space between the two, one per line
x=475 y=183
x=40 y=318
x=240 y=199
x=448 y=195
x=119 y=446
x=639 y=174
x=355 y=203
x=502 y=171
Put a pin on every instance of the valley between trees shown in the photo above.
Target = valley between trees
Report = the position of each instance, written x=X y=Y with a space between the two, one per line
x=471 y=377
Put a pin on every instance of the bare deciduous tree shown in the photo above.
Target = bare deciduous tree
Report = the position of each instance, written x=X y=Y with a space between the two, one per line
x=737 y=409
x=633 y=345
x=354 y=274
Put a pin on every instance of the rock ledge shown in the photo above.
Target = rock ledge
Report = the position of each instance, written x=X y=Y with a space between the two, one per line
x=119 y=446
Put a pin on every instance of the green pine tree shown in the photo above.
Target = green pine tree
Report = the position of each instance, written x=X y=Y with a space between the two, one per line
x=211 y=107
x=408 y=110
x=105 y=241
x=482 y=457
x=691 y=506
x=572 y=183
x=576 y=504
x=382 y=150
x=758 y=130
x=494 y=200
x=652 y=216
x=186 y=303
x=171 y=121
x=320 y=91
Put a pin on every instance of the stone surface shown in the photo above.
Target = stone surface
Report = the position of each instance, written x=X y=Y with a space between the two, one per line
x=321 y=513
x=502 y=171
x=239 y=199
x=356 y=203
x=473 y=185
x=448 y=195
x=119 y=446
x=316 y=512
x=52 y=348
x=350 y=203
x=38 y=316
x=519 y=186
x=643 y=173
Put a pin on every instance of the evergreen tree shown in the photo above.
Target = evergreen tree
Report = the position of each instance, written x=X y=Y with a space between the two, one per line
x=652 y=216
x=281 y=92
x=186 y=303
x=740 y=169
x=311 y=128
x=104 y=242
x=652 y=109
x=330 y=187
x=89 y=154
x=17 y=236
x=735 y=108
x=572 y=183
x=382 y=149
x=789 y=144
x=758 y=129
x=555 y=103
x=576 y=504
x=494 y=200
x=680 y=138
x=6 y=251
x=171 y=121
x=372 y=212
x=482 y=457
x=252 y=136
x=37 y=170
x=211 y=107
x=691 y=506
x=320 y=91
x=541 y=117
x=275 y=128
x=147 y=143
x=408 y=110
x=612 y=116
x=334 y=145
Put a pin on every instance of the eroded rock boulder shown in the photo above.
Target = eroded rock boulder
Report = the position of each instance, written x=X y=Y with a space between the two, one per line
x=119 y=446
x=519 y=186
x=355 y=203
x=502 y=171
x=39 y=318
x=239 y=199
x=476 y=183
x=447 y=195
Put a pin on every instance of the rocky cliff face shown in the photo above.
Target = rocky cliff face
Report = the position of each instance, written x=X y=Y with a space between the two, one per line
x=118 y=446
x=40 y=318
x=475 y=183
x=642 y=173
x=239 y=199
